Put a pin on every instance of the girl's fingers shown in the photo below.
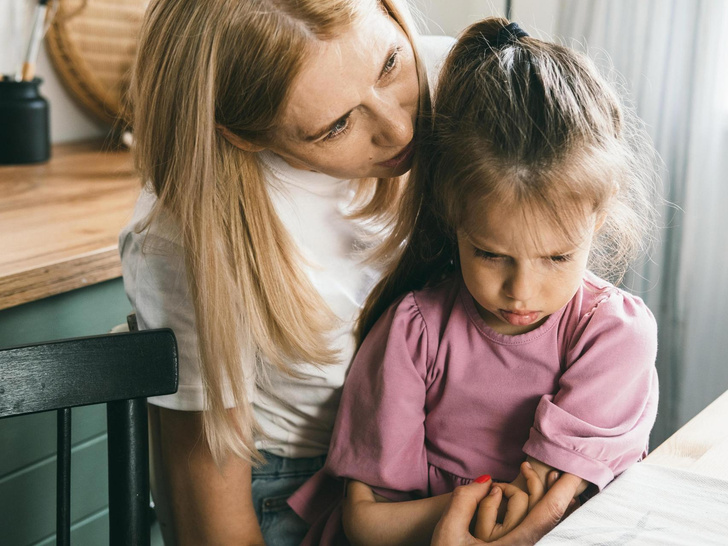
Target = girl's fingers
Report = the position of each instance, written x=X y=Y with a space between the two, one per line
x=487 y=516
x=517 y=506
x=533 y=483
x=552 y=478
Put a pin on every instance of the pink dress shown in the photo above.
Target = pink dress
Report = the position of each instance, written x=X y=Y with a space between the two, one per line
x=435 y=398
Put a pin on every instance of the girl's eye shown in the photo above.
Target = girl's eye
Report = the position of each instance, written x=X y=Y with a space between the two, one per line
x=485 y=255
x=339 y=128
x=561 y=259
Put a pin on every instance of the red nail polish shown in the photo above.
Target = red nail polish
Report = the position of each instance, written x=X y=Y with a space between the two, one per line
x=482 y=479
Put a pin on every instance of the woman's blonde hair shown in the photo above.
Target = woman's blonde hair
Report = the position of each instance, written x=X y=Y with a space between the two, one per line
x=527 y=124
x=231 y=63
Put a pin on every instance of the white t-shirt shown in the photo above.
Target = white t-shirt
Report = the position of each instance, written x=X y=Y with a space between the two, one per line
x=298 y=416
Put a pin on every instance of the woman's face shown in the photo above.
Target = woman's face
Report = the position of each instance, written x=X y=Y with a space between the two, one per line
x=351 y=110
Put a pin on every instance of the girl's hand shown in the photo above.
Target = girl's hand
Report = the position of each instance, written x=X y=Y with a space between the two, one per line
x=535 y=487
x=453 y=529
x=533 y=483
x=517 y=503
x=487 y=526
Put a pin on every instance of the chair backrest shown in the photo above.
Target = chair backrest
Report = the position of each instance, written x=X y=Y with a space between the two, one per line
x=120 y=370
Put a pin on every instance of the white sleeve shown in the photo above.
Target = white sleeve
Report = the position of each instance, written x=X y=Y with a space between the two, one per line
x=156 y=284
x=433 y=51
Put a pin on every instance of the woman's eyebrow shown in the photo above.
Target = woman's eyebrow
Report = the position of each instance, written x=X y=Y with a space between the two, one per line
x=318 y=134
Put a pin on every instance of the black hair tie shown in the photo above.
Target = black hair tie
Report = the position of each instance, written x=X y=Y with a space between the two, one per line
x=508 y=34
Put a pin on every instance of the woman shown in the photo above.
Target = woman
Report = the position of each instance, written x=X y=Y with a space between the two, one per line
x=273 y=135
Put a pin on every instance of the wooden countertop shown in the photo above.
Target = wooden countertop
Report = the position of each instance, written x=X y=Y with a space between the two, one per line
x=60 y=221
x=701 y=445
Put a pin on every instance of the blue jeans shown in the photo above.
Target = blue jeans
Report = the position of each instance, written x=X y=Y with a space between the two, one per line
x=272 y=484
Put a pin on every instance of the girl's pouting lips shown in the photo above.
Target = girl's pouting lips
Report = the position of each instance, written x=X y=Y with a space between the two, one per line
x=401 y=157
x=519 y=318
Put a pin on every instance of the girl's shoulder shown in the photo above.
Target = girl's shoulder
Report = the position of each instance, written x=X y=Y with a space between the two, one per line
x=436 y=301
x=422 y=310
x=414 y=323
x=426 y=312
x=601 y=296
x=600 y=308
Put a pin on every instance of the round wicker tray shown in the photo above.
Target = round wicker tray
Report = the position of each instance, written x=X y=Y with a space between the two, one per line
x=92 y=44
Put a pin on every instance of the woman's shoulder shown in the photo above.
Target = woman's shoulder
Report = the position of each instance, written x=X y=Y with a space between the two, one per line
x=151 y=229
x=434 y=48
x=433 y=51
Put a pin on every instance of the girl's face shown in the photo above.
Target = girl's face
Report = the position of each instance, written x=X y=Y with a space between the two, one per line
x=519 y=269
x=351 y=110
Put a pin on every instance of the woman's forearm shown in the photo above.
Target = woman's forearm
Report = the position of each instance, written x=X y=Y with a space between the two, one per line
x=198 y=502
x=369 y=519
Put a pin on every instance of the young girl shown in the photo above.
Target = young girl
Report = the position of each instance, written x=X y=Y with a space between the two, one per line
x=494 y=341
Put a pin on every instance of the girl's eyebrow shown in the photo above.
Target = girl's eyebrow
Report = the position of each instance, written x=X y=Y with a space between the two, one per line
x=485 y=248
x=320 y=133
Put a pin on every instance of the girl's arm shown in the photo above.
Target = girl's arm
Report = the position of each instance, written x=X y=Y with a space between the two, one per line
x=372 y=519
x=597 y=422
x=542 y=470
x=198 y=502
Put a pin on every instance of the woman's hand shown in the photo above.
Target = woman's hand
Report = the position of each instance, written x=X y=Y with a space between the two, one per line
x=517 y=528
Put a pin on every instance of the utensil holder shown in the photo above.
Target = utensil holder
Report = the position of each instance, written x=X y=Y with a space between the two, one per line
x=24 y=123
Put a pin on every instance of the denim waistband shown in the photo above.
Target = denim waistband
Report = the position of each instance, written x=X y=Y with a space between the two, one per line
x=280 y=467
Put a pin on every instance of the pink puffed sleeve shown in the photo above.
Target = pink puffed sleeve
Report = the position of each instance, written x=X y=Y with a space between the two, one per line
x=598 y=422
x=379 y=436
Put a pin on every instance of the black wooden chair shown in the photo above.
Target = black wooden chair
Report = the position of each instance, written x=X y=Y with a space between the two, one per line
x=120 y=370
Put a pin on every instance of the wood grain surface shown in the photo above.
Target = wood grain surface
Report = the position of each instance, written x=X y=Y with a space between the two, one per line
x=60 y=221
x=701 y=445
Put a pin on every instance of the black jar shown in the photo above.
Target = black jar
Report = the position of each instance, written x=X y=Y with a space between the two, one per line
x=24 y=125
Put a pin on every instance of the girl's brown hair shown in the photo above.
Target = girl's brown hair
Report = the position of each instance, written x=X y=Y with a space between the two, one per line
x=525 y=123
x=203 y=64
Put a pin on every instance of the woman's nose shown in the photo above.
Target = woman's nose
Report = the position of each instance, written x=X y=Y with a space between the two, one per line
x=395 y=126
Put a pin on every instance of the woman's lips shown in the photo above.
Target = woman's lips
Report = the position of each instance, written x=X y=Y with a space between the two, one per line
x=519 y=318
x=401 y=157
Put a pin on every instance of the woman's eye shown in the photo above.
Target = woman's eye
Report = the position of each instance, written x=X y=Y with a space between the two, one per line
x=338 y=129
x=391 y=62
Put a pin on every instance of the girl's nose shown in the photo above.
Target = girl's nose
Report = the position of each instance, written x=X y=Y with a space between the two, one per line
x=520 y=284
